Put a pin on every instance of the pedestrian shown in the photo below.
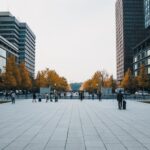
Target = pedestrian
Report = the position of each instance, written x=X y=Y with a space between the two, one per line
x=51 y=96
x=40 y=98
x=34 y=98
x=47 y=97
x=56 y=96
x=120 y=99
x=13 y=96
x=93 y=96
x=99 y=95
x=81 y=95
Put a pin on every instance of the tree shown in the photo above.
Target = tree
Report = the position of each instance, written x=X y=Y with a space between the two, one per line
x=46 y=78
x=25 y=77
x=142 y=78
x=2 y=81
x=127 y=81
x=10 y=81
x=40 y=79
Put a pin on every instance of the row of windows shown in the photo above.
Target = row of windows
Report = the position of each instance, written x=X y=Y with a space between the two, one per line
x=142 y=55
x=148 y=71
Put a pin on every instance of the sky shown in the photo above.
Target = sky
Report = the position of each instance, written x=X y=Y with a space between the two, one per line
x=73 y=37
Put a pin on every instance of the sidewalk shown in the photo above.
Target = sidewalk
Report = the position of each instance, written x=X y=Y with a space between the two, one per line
x=74 y=125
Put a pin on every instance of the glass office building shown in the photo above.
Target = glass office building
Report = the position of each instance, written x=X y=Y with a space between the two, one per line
x=21 y=36
x=147 y=13
x=6 y=49
x=130 y=30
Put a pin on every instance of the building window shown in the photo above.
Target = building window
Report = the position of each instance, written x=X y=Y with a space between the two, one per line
x=135 y=73
x=148 y=70
x=148 y=61
x=135 y=59
x=135 y=66
x=148 y=52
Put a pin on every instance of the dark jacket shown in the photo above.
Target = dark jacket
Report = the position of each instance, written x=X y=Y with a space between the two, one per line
x=120 y=97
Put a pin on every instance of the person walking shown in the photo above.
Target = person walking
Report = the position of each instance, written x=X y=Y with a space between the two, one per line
x=13 y=96
x=99 y=95
x=93 y=96
x=56 y=96
x=47 y=97
x=120 y=100
x=34 y=98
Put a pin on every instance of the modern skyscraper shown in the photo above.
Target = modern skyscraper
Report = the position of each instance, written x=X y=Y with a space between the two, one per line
x=6 y=49
x=21 y=36
x=130 y=30
x=147 y=13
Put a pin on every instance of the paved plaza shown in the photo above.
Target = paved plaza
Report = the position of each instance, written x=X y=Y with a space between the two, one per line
x=74 y=125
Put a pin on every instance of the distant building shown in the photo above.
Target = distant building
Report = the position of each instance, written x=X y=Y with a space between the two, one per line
x=21 y=36
x=6 y=49
x=130 y=30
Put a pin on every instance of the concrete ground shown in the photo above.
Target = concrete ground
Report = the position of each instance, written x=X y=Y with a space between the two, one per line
x=74 y=125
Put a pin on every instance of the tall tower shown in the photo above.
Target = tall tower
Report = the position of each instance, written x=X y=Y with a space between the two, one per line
x=147 y=13
x=21 y=36
x=130 y=30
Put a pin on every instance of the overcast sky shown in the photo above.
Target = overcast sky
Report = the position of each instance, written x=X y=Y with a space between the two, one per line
x=74 y=37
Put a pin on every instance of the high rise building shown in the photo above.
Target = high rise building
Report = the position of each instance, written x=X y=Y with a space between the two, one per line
x=142 y=49
x=130 y=30
x=147 y=13
x=6 y=49
x=21 y=36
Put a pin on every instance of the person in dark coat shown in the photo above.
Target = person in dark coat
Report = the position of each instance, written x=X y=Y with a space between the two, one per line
x=120 y=99
x=34 y=98
x=99 y=95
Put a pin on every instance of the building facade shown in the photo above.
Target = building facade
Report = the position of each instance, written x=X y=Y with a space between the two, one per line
x=6 y=49
x=142 y=50
x=21 y=36
x=130 y=30
x=142 y=56
x=147 y=13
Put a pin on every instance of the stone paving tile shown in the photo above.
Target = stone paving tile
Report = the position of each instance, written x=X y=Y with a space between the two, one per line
x=74 y=125
x=115 y=147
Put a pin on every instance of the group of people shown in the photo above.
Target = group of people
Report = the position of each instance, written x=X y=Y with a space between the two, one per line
x=48 y=97
x=54 y=96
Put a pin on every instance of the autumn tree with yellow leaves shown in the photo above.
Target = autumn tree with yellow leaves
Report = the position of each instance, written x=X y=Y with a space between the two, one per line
x=127 y=82
x=15 y=76
x=50 y=78
x=98 y=80
x=143 y=80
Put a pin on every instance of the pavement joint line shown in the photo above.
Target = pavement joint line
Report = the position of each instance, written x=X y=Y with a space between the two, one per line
x=14 y=121
x=42 y=127
x=54 y=129
x=122 y=129
x=68 y=128
x=77 y=125
x=18 y=125
x=81 y=124
x=37 y=120
x=128 y=132
x=95 y=129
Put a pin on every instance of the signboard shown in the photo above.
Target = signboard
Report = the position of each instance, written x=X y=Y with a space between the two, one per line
x=44 y=90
